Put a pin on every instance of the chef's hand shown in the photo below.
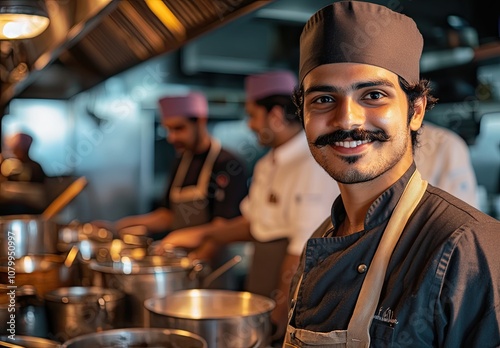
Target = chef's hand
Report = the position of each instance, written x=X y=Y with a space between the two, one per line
x=99 y=225
x=189 y=238
x=110 y=226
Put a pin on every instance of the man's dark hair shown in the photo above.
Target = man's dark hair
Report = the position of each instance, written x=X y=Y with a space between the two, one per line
x=284 y=101
x=413 y=92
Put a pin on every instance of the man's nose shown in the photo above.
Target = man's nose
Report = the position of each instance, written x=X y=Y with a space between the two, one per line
x=349 y=114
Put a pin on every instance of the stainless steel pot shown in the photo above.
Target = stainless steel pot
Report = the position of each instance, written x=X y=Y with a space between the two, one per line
x=75 y=311
x=21 y=235
x=153 y=276
x=157 y=338
x=225 y=319
x=30 y=342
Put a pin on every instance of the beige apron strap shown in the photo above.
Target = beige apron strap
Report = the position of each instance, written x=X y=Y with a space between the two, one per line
x=358 y=329
x=179 y=193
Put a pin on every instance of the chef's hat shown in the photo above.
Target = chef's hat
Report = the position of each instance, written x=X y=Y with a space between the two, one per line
x=193 y=104
x=264 y=85
x=361 y=32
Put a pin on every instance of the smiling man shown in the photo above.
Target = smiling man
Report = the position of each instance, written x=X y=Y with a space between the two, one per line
x=399 y=263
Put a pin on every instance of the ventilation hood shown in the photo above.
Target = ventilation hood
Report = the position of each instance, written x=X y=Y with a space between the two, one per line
x=89 y=41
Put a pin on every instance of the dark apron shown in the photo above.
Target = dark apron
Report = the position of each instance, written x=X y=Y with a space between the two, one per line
x=190 y=204
x=265 y=269
x=357 y=333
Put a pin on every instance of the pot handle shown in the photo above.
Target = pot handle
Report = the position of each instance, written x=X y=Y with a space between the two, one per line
x=221 y=270
x=71 y=256
x=9 y=345
x=102 y=314
x=23 y=290
x=197 y=267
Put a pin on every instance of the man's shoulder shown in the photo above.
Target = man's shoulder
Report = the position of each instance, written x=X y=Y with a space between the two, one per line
x=447 y=207
x=227 y=155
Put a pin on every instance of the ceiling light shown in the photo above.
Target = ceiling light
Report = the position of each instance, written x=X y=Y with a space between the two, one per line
x=22 y=19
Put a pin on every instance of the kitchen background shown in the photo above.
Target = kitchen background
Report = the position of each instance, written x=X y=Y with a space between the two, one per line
x=87 y=88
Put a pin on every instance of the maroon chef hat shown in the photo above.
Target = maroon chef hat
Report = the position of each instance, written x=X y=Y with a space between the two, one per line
x=19 y=141
x=267 y=84
x=193 y=104
x=361 y=32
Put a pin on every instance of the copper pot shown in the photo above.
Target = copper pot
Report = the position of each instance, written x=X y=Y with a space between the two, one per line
x=44 y=272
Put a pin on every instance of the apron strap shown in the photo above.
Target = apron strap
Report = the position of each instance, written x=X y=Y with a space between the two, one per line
x=357 y=334
x=188 y=193
x=358 y=330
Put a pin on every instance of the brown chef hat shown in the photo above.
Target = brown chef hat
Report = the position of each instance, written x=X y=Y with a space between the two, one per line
x=361 y=32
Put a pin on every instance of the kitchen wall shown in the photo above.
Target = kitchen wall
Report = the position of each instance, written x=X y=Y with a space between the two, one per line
x=112 y=135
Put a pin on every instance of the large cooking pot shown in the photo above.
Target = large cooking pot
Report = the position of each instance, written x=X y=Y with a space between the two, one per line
x=75 y=311
x=129 y=338
x=44 y=272
x=152 y=276
x=30 y=342
x=21 y=235
x=225 y=319
x=109 y=251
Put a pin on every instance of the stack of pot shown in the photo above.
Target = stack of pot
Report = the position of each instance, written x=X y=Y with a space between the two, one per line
x=30 y=266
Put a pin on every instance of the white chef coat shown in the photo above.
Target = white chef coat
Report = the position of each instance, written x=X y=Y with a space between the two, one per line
x=443 y=159
x=290 y=195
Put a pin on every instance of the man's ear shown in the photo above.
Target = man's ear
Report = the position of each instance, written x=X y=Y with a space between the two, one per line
x=418 y=113
x=276 y=117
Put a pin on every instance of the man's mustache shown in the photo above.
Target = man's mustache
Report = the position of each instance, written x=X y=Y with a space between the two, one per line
x=355 y=135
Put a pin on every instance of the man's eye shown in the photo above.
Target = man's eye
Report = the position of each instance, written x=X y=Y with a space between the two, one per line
x=374 y=95
x=323 y=99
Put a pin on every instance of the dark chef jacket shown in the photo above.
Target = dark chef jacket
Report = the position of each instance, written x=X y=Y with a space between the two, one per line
x=227 y=186
x=442 y=286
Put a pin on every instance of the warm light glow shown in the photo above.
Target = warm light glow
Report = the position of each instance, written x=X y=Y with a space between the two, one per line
x=28 y=265
x=127 y=265
x=21 y=26
x=167 y=18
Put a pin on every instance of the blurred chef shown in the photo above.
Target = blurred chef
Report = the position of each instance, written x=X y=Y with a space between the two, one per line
x=443 y=159
x=16 y=163
x=290 y=195
x=207 y=182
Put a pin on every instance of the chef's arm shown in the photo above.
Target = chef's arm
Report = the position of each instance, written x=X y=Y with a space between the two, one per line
x=219 y=231
x=279 y=315
x=156 y=221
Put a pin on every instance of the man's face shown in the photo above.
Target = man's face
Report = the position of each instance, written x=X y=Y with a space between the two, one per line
x=356 y=121
x=182 y=133
x=258 y=122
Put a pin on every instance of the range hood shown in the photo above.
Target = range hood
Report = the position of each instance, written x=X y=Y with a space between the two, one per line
x=89 y=41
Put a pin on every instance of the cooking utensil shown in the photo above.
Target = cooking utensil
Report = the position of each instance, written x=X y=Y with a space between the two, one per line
x=64 y=198
x=225 y=319
x=152 y=276
x=21 y=235
x=154 y=338
x=221 y=270
x=74 y=311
